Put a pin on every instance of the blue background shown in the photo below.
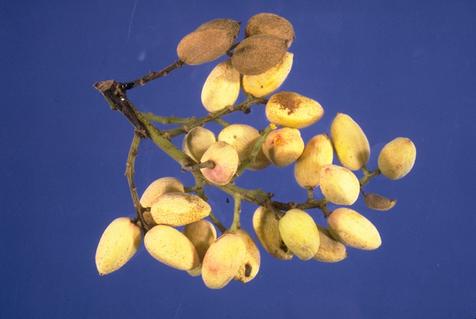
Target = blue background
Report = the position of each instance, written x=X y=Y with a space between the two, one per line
x=400 y=68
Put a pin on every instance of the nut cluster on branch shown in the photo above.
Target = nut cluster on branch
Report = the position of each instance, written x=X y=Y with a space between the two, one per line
x=172 y=220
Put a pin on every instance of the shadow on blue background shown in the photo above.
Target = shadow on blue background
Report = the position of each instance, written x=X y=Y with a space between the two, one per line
x=403 y=68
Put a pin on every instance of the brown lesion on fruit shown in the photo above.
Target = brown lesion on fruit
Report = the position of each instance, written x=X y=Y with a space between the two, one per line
x=248 y=269
x=283 y=246
x=287 y=101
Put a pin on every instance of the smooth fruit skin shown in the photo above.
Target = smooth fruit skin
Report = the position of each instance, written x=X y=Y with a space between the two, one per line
x=397 y=158
x=265 y=225
x=350 y=142
x=221 y=88
x=318 y=152
x=243 y=137
x=202 y=234
x=291 y=109
x=300 y=234
x=223 y=261
x=178 y=209
x=353 y=229
x=118 y=243
x=283 y=146
x=159 y=187
x=251 y=263
x=171 y=247
x=265 y=83
x=339 y=185
x=197 y=141
x=226 y=162
x=330 y=250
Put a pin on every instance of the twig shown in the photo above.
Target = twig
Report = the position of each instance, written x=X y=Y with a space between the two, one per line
x=151 y=76
x=130 y=170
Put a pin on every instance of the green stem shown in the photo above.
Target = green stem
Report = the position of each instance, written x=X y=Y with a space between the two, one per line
x=368 y=175
x=255 y=150
x=130 y=171
x=236 y=212
x=243 y=107
x=167 y=119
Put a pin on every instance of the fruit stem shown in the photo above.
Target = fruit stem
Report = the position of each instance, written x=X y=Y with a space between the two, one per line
x=236 y=212
x=254 y=151
x=368 y=175
x=130 y=170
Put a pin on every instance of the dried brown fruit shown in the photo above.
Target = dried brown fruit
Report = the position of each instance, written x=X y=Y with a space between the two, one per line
x=258 y=53
x=379 y=202
x=208 y=42
x=272 y=24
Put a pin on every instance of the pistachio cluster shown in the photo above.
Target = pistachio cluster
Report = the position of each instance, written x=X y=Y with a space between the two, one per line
x=172 y=219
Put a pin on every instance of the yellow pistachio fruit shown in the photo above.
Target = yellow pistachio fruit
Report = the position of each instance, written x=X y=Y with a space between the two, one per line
x=159 y=187
x=251 y=263
x=283 y=146
x=202 y=234
x=265 y=225
x=317 y=153
x=118 y=243
x=197 y=141
x=178 y=209
x=300 y=234
x=171 y=247
x=330 y=250
x=339 y=185
x=243 y=137
x=226 y=161
x=221 y=88
x=353 y=229
x=350 y=142
x=223 y=260
x=265 y=83
x=397 y=158
x=293 y=110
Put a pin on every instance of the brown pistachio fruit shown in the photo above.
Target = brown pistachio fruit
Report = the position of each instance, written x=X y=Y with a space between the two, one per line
x=208 y=42
x=272 y=24
x=258 y=53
